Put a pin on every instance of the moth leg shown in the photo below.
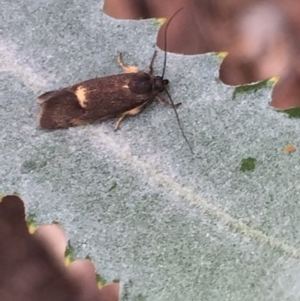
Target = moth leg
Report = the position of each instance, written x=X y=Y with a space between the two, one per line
x=163 y=101
x=152 y=62
x=126 y=69
x=131 y=112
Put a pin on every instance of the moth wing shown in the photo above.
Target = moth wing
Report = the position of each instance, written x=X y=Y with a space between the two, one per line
x=111 y=96
x=51 y=94
x=94 y=99
x=59 y=111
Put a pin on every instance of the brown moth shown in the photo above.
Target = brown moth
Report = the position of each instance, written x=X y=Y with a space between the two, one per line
x=103 y=98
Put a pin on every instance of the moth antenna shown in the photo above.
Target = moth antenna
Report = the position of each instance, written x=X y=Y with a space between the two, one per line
x=165 y=58
x=178 y=121
x=167 y=92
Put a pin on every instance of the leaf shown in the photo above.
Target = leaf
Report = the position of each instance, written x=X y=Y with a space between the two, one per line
x=252 y=87
x=31 y=272
x=292 y=113
x=113 y=186
x=248 y=164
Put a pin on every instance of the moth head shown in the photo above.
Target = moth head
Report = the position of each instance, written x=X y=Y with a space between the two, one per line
x=159 y=83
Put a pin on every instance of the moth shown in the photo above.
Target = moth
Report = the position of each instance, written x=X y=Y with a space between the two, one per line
x=103 y=98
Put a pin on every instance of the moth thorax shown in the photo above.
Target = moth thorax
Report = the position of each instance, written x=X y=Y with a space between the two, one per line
x=159 y=83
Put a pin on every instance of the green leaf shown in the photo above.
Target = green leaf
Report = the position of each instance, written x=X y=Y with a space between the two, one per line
x=252 y=87
x=31 y=220
x=248 y=164
x=100 y=280
x=113 y=186
x=69 y=253
x=292 y=113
